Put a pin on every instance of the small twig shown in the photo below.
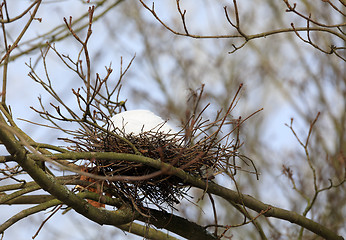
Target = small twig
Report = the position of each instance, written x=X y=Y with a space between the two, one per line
x=291 y=8
x=44 y=221
x=182 y=15
x=214 y=212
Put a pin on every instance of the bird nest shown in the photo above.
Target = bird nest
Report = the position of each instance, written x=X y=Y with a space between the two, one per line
x=149 y=185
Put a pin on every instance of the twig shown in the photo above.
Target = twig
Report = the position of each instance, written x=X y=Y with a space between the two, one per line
x=44 y=221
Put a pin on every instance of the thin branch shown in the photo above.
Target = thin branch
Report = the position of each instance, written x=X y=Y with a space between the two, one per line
x=293 y=8
x=182 y=15
x=21 y=34
x=9 y=20
x=44 y=221
x=248 y=37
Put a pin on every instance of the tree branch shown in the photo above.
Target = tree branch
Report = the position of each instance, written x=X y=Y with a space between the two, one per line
x=49 y=184
x=229 y=195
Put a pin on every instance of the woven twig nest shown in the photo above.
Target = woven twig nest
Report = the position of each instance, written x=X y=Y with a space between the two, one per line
x=160 y=190
x=200 y=159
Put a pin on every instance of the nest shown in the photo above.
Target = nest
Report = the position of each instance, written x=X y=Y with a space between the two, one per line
x=163 y=190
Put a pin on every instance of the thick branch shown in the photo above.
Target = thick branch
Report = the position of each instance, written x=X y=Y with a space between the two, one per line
x=145 y=231
x=47 y=201
x=230 y=195
x=260 y=207
x=30 y=199
x=179 y=225
x=49 y=184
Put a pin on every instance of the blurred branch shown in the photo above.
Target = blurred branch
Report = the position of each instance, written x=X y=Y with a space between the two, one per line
x=317 y=190
x=293 y=9
x=8 y=20
x=59 y=33
x=248 y=37
x=21 y=34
